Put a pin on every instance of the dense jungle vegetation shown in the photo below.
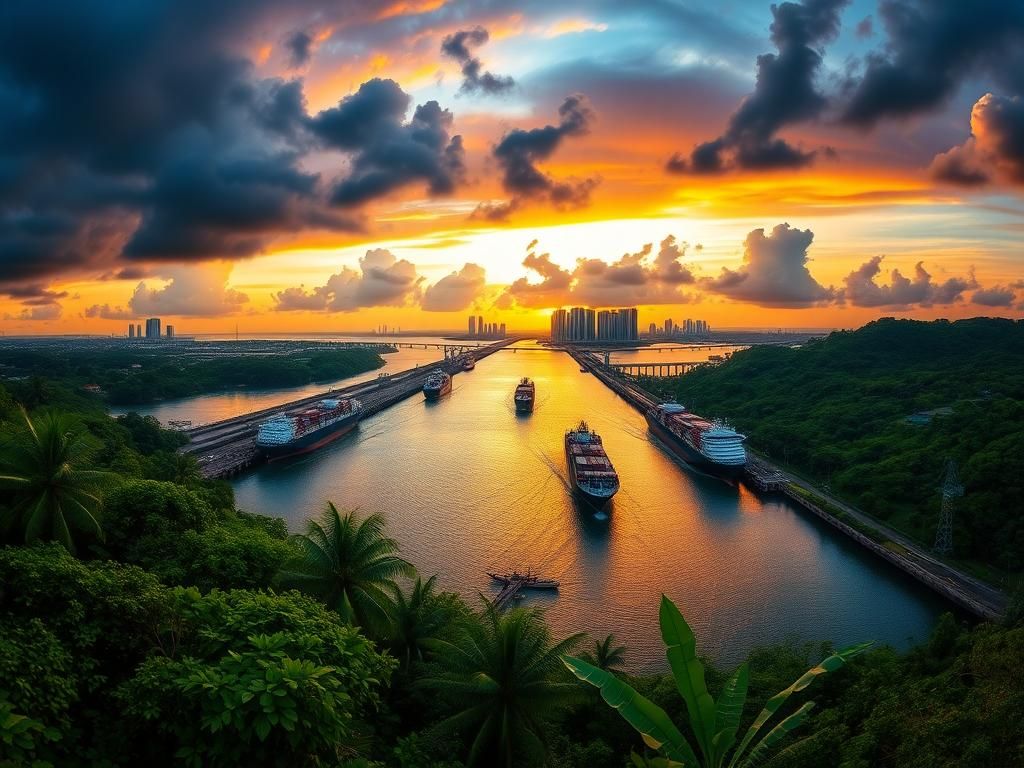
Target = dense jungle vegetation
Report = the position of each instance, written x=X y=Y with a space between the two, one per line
x=144 y=620
x=874 y=414
x=134 y=374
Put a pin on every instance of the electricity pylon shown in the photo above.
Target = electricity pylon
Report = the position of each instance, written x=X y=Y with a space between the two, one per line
x=952 y=489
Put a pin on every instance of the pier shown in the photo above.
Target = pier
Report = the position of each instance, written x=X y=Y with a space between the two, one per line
x=227 y=447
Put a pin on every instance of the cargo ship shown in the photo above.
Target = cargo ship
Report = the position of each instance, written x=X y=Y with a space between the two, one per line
x=524 y=396
x=438 y=383
x=709 y=446
x=590 y=470
x=291 y=434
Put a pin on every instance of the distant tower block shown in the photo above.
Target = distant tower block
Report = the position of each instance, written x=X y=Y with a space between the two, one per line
x=951 y=489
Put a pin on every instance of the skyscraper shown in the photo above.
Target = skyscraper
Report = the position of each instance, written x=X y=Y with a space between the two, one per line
x=153 y=328
x=170 y=331
x=480 y=324
x=138 y=330
x=472 y=325
x=131 y=330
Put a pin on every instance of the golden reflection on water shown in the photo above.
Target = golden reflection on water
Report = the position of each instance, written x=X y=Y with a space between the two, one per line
x=467 y=485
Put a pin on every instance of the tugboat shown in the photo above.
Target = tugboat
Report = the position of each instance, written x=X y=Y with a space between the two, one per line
x=525 y=395
x=438 y=383
x=590 y=469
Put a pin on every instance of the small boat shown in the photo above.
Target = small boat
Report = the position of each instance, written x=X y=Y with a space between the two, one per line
x=583 y=369
x=528 y=579
x=468 y=363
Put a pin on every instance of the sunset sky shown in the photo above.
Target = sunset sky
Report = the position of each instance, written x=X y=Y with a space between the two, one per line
x=327 y=166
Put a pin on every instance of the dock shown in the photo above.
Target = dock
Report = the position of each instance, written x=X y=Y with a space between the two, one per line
x=516 y=582
x=911 y=557
x=227 y=447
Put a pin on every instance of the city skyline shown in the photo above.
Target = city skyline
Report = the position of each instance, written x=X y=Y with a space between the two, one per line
x=582 y=153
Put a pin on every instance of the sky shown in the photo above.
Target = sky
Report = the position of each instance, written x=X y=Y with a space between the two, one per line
x=334 y=166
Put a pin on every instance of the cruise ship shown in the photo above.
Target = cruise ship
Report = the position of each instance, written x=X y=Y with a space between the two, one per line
x=291 y=434
x=590 y=470
x=709 y=446
x=438 y=383
x=525 y=395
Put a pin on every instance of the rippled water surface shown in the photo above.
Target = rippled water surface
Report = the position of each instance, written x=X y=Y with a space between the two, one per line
x=466 y=485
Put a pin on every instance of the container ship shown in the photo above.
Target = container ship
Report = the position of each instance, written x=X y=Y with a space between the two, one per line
x=292 y=434
x=524 y=396
x=438 y=383
x=708 y=446
x=590 y=469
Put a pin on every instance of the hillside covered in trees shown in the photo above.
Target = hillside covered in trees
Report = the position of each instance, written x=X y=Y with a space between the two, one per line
x=145 y=620
x=874 y=414
x=134 y=374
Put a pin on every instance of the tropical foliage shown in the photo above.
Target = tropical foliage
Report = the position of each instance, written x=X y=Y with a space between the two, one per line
x=502 y=675
x=54 y=494
x=714 y=725
x=874 y=413
x=170 y=641
x=349 y=564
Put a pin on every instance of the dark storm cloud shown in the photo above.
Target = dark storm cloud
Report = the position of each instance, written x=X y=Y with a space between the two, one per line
x=862 y=290
x=995 y=148
x=33 y=294
x=996 y=296
x=520 y=150
x=932 y=46
x=300 y=47
x=460 y=46
x=141 y=131
x=774 y=272
x=785 y=93
x=388 y=153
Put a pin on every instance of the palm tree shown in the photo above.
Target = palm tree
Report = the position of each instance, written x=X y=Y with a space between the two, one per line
x=52 y=492
x=417 y=620
x=350 y=565
x=715 y=725
x=504 y=675
x=606 y=655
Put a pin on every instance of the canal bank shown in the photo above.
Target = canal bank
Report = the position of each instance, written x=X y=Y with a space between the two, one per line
x=961 y=589
x=468 y=486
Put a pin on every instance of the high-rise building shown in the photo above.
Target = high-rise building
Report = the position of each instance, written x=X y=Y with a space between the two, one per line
x=472 y=325
x=501 y=331
x=138 y=330
x=480 y=324
x=668 y=327
x=153 y=328
x=559 y=321
x=131 y=330
x=652 y=329
x=170 y=331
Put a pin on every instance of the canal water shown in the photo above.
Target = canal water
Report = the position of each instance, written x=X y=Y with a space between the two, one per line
x=216 y=406
x=468 y=486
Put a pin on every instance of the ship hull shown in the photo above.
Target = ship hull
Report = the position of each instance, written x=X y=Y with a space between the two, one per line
x=310 y=441
x=687 y=453
x=524 y=406
x=596 y=499
x=436 y=393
